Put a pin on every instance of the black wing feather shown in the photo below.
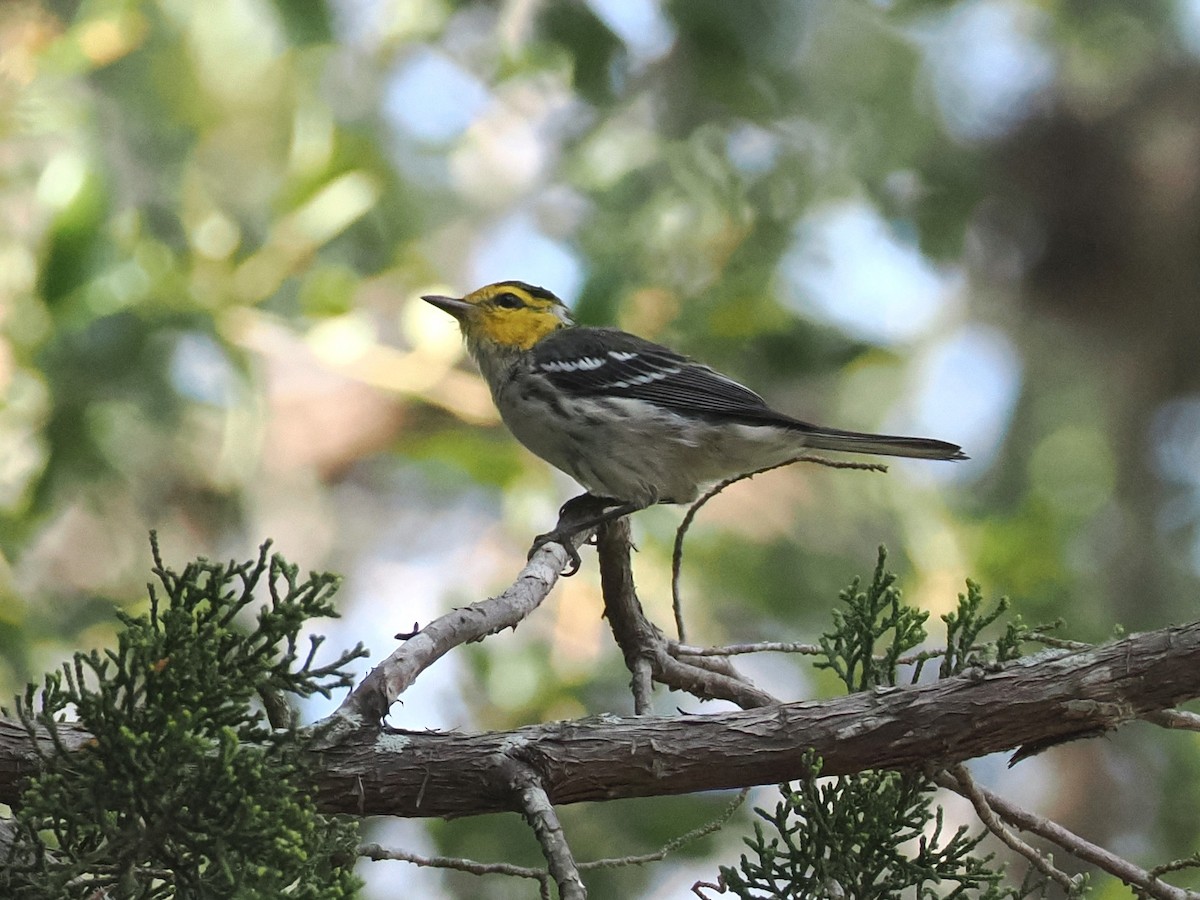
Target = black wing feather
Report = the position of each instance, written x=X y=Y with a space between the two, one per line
x=598 y=362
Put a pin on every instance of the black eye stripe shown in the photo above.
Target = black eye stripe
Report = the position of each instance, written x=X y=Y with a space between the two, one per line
x=508 y=301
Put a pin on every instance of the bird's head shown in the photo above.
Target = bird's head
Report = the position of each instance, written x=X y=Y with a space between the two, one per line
x=508 y=315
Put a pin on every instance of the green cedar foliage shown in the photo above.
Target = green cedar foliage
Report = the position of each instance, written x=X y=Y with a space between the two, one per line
x=869 y=836
x=185 y=790
x=876 y=834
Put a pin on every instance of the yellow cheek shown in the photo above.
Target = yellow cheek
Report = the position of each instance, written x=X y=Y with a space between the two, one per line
x=520 y=329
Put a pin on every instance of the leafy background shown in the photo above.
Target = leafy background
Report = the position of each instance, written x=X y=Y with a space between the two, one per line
x=976 y=220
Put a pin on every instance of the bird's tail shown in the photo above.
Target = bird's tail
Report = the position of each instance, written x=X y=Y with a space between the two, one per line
x=821 y=438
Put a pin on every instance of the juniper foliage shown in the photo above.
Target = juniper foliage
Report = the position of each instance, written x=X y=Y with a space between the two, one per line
x=185 y=789
x=877 y=834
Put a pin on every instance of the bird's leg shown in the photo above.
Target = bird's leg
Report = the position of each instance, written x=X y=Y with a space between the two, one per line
x=580 y=514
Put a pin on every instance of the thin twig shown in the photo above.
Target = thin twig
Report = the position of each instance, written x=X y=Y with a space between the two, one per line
x=681 y=532
x=672 y=845
x=1179 y=719
x=377 y=852
x=1176 y=865
x=678 y=649
x=1144 y=881
x=1133 y=875
x=1057 y=643
x=719 y=664
x=959 y=780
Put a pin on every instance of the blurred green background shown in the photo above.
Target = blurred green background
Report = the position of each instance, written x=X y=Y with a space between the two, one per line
x=976 y=220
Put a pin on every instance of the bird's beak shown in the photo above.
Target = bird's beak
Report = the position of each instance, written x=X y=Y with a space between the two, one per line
x=454 y=306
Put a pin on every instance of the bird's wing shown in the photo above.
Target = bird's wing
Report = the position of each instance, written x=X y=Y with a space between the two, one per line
x=604 y=362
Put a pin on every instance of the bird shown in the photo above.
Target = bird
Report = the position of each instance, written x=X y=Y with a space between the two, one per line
x=634 y=422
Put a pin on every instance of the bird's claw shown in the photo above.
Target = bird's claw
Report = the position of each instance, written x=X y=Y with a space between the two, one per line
x=563 y=539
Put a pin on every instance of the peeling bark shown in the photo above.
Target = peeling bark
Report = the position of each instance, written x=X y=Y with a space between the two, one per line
x=1042 y=700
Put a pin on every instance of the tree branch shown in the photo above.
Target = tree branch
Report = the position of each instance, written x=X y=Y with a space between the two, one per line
x=645 y=646
x=1039 y=701
x=526 y=786
x=990 y=805
x=959 y=780
x=383 y=685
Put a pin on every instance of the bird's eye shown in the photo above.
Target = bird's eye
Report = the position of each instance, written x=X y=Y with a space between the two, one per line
x=509 y=301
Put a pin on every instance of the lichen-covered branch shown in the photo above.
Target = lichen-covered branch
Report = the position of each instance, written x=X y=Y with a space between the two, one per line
x=369 y=702
x=526 y=786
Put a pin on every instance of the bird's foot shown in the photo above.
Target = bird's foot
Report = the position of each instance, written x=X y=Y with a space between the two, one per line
x=563 y=539
x=576 y=515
